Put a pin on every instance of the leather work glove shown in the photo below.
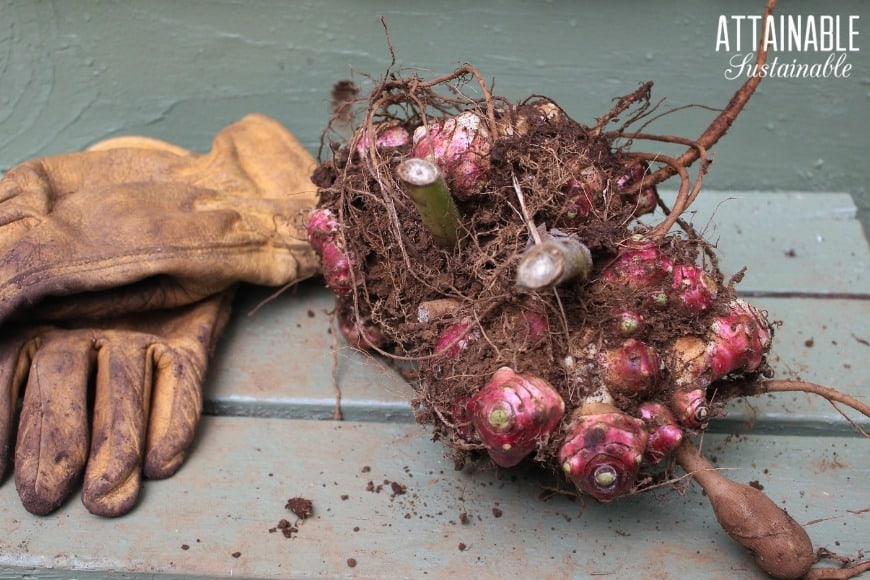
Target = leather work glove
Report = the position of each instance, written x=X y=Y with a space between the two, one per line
x=147 y=370
x=132 y=225
x=156 y=226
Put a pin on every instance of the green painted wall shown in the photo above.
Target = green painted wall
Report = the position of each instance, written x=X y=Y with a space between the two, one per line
x=73 y=72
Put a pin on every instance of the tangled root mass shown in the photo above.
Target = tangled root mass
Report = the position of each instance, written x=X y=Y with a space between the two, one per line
x=520 y=171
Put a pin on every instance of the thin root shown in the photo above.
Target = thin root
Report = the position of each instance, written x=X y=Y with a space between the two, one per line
x=838 y=573
x=685 y=195
x=720 y=125
x=832 y=395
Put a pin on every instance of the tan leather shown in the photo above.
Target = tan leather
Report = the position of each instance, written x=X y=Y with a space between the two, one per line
x=147 y=371
x=155 y=226
x=117 y=269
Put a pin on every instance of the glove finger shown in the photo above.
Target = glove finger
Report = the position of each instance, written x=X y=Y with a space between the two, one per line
x=137 y=142
x=123 y=388
x=176 y=401
x=52 y=442
x=175 y=412
x=15 y=355
x=265 y=154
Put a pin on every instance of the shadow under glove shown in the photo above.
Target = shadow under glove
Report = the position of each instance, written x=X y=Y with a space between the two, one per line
x=145 y=374
x=153 y=225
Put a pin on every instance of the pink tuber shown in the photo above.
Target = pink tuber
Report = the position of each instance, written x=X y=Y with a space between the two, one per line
x=360 y=334
x=739 y=340
x=337 y=264
x=337 y=269
x=646 y=198
x=513 y=413
x=696 y=288
x=322 y=227
x=634 y=368
x=387 y=136
x=603 y=450
x=639 y=265
x=580 y=192
x=633 y=174
x=460 y=146
x=537 y=326
x=647 y=201
x=736 y=342
x=456 y=338
x=665 y=435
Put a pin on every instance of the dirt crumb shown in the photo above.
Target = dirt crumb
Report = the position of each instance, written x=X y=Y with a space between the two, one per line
x=398 y=488
x=303 y=508
x=285 y=527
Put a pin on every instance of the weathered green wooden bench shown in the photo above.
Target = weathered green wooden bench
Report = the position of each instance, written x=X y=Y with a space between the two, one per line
x=75 y=72
x=388 y=502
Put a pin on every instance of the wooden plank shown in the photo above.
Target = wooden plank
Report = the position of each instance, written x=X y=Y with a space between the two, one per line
x=236 y=483
x=285 y=361
x=788 y=242
x=821 y=341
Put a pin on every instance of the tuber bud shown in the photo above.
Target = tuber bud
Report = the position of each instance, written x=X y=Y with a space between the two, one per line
x=628 y=323
x=690 y=407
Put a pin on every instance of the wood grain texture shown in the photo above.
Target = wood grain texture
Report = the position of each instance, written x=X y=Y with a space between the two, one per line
x=244 y=470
